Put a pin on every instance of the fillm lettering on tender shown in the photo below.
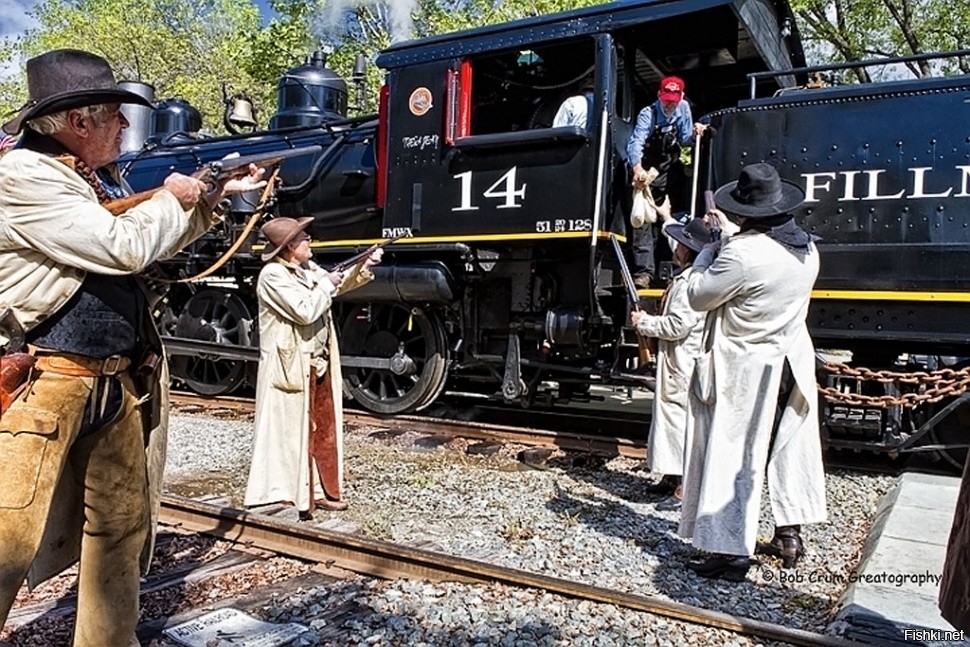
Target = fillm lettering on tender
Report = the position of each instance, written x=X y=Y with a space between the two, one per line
x=873 y=185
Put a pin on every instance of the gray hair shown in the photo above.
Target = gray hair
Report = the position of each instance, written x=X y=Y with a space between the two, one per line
x=55 y=123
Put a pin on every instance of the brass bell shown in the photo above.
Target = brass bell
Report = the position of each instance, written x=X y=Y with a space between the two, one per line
x=240 y=111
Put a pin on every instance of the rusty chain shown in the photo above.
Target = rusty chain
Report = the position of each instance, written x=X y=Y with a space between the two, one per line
x=930 y=386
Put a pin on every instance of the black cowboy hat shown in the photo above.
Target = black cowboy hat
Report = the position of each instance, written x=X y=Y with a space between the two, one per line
x=280 y=231
x=63 y=79
x=758 y=193
x=694 y=235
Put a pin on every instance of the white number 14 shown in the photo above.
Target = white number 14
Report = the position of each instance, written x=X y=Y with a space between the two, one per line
x=503 y=189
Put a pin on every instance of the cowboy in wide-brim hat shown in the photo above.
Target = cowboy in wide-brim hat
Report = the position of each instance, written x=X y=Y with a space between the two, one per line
x=759 y=192
x=68 y=78
x=693 y=235
x=279 y=232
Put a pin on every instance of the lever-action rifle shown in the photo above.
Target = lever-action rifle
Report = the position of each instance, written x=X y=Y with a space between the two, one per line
x=356 y=258
x=215 y=171
x=631 y=287
x=709 y=205
x=631 y=294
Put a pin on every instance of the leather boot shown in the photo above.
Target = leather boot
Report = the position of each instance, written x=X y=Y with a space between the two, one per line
x=786 y=544
x=727 y=567
x=666 y=486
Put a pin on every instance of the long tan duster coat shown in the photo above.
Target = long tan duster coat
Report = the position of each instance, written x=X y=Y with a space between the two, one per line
x=52 y=233
x=757 y=293
x=296 y=332
x=955 y=585
x=679 y=329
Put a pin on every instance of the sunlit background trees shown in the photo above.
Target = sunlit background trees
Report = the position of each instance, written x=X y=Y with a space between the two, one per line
x=190 y=48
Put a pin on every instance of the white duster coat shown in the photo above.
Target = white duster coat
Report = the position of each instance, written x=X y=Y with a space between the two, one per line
x=757 y=292
x=296 y=332
x=679 y=329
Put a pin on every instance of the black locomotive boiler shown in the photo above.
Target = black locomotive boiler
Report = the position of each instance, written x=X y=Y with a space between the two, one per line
x=508 y=281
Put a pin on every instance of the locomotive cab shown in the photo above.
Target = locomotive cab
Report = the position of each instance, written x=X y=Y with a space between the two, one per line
x=509 y=281
x=518 y=210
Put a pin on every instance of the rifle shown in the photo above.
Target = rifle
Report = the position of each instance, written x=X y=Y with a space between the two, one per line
x=356 y=258
x=634 y=298
x=214 y=172
x=709 y=205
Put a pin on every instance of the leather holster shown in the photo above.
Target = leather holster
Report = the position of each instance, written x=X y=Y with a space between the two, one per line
x=14 y=374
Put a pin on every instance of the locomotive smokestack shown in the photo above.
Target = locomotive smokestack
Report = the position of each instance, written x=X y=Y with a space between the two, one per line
x=310 y=95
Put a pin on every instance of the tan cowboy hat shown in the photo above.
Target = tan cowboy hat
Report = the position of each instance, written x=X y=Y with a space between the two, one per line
x=68 y=78
x=278 y=232
x=758 y=193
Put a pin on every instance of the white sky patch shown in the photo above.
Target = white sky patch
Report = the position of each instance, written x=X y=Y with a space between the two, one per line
x=13 y=16
x=13 y=22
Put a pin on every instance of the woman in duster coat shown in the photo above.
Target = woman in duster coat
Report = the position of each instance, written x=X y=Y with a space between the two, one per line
x=297 y=446
x=679 y=329
x=758 y=359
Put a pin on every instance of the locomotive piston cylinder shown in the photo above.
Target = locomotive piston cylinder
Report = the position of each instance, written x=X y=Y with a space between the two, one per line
x=565 y=327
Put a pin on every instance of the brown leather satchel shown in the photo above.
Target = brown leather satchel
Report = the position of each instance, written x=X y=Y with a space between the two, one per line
x=14 y=374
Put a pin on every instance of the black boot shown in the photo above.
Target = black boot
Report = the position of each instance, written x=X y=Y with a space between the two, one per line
x=718 y=566
x=786 y=544
x=666 y=486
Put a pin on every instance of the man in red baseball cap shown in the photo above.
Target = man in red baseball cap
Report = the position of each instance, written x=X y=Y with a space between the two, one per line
x=661 y=129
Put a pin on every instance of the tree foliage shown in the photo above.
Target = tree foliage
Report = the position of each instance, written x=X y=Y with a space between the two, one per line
x=189 y=48
x=356 y=29
x=184 y=48
x=856 y=30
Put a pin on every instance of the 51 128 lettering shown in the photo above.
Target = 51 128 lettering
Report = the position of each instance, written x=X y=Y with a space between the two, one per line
x=564 y=224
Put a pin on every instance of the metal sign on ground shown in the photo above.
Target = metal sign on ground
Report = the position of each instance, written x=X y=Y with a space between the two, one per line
x=233 y=627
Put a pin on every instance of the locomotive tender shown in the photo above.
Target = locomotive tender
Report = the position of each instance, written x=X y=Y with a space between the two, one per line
x=886 y=172
x=508 y=281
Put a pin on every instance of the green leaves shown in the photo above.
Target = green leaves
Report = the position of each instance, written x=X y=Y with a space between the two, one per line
x=183 y=48
x=845 y=30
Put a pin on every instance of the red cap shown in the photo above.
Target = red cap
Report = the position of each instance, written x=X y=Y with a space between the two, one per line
x=671 y=88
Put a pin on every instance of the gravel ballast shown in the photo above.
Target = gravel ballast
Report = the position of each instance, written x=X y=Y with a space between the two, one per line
x=576 y=517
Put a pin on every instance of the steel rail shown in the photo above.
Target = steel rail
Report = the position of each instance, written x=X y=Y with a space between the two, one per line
x=596 y=444
x=391 y=561
x=610 y=445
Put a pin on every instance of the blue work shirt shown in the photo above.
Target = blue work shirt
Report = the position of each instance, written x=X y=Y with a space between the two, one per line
x=681 y=119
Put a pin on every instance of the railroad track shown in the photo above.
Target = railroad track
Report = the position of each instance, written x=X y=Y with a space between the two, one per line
x=631 y=443
x=548 y=436
x=391 y=561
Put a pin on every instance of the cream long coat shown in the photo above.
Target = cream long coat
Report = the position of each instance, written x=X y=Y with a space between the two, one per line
x=679 y=329
x=296 y=332
x=52 y=233
x=757 y=294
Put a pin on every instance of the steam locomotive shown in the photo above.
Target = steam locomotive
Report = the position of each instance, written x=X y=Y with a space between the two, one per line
x=508 y=281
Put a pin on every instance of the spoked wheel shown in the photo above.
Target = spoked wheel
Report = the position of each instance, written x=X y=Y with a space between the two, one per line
x=413 y=343
x=214 y=316
x=953 y=429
